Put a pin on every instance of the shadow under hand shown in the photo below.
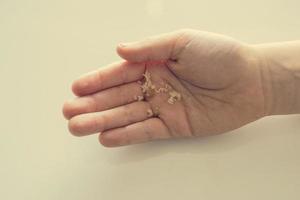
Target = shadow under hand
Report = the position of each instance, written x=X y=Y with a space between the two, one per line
x=202 y=145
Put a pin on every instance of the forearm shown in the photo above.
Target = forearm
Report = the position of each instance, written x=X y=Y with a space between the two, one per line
x=281 y=74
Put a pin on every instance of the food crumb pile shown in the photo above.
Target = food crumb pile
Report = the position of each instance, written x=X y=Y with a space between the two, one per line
x=149 y=90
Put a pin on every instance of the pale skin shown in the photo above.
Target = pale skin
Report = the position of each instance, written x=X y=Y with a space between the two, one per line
x=224 y=84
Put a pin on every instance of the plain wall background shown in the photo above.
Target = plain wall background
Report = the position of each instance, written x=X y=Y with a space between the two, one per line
x=46 y=44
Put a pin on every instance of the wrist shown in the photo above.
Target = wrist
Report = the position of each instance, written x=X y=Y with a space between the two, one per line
x=280 y=72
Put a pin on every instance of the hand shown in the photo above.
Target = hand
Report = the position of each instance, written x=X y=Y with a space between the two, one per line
x=218 y=82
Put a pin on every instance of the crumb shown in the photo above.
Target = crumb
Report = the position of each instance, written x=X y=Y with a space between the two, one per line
x=167 y=86
x=161 y=90
x=174 y=96
x=149 y=113
x=170 y=101
x=164 y=89
x=156 y=112
x=149 y=89
x=139 y=98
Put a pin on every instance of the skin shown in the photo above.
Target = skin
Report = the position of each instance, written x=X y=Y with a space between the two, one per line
x=224 y=85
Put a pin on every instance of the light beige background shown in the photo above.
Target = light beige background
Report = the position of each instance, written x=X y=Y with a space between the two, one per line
x=45 y=44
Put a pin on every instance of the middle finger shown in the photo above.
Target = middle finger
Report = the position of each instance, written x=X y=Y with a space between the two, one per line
x=103 y=100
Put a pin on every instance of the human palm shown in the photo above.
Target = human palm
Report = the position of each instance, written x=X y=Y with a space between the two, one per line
x=218 y=80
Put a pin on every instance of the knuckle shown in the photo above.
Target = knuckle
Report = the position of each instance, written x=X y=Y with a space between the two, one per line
x=137 y=89
x=122 y=93
x=100 y=78
x=101 y=123
x=123 y=72
x=91 y=103
x=128 y=114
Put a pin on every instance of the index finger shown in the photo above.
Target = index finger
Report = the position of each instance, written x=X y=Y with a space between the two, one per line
x=112 y=75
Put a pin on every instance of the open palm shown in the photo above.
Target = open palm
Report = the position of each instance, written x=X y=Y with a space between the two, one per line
x=217 y=80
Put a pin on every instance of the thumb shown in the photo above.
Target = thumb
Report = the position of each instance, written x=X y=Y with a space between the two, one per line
x=157 y=48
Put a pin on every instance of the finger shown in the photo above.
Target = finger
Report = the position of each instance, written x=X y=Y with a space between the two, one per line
x=103 y=100
x=144 y=131
x=110 y=76
x=162 y=47
x=86 y=124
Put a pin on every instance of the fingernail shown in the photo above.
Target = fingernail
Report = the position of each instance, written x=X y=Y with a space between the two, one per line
x=123 y=44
